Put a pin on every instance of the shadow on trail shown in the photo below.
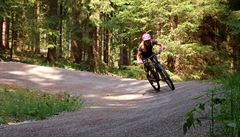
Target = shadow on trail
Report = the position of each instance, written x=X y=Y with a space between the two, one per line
x=98 y=91
x=114 y=106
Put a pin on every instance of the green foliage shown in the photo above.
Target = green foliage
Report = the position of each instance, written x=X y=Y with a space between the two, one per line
x=201 y=61
x=23 y=104
x=233 y=22
x=66 y=63
x=224 y=104
x=30 y=58
x=178 y=24
x=174 y=77
x=182 y=40
x=136 y=72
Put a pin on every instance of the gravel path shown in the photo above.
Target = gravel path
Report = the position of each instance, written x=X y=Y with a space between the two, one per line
x=114 y=107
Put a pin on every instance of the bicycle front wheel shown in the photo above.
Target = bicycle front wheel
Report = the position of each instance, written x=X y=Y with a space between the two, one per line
x=153 y=79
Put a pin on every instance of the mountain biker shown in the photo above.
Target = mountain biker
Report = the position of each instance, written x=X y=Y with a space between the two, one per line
x=146 y=47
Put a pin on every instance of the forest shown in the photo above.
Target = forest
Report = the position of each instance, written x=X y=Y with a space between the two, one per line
x=202 y=37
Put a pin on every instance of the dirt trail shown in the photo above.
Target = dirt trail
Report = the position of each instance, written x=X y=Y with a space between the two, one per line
x=114 y=107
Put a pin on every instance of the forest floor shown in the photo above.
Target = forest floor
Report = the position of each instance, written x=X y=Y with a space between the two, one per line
x=114 y=107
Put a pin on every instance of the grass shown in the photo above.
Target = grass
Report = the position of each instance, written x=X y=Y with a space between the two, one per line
x=229 y=115
x=137 y=72
x=40 y=59
x=18 y=104
x=223 y=103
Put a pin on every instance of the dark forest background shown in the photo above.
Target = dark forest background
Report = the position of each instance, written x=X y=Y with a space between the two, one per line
x=202 y=37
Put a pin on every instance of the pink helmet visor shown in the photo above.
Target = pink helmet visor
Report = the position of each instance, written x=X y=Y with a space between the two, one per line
x=146 y=37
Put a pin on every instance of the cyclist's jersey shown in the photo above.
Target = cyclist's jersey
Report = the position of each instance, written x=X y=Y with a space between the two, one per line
x=148 y=52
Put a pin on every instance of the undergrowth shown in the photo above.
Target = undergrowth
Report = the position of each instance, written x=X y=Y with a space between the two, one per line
x=19 y=104
x=220 y=107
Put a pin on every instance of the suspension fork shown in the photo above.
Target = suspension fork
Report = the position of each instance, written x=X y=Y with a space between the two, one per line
x=159 y=68
x=156 y=64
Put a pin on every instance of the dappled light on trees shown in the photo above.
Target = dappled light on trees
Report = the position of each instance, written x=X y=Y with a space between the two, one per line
x=201 y=36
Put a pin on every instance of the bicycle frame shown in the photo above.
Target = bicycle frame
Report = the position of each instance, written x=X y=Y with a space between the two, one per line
x=154 y=60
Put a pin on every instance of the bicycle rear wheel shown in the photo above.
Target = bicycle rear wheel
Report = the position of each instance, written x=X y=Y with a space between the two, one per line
x=153 y=79
x=165 y=77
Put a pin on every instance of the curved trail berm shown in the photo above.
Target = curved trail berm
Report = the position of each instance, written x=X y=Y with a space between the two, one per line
x=114 y=107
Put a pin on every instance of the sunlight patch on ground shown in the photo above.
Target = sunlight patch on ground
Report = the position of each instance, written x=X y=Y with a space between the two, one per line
x=126 y=97
x=91 y=96
x=113 y=106
x=135 y=83
x=118 y=105
x=18 y=73
x=46 y=73
x=46 y=84
x=125 y=79
x=96 y=107
x=37 y=79
x=41 y=72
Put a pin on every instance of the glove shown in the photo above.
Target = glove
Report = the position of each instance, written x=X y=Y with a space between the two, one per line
x=140 y=62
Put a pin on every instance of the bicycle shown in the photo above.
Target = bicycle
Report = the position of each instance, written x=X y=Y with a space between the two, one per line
x=156 y=72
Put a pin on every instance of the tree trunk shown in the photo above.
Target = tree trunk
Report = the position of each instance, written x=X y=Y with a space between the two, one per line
x=174 y=24
x=96 y=50
x=110 y=63
x=75 y=51
x=37 y=43
x=52 y=39
x=171 y=62
x=14 y=35
x=102 y=36
x=17 y=33
x=99 y=45
x=1 y=32
x=61 y=29
x=129 y=55
x=51 y=55
x=110 y=40
x=37 y=33
x=90 y=58
x=123 y=56
x=76 y=48
x=235 y=44
x=7 y=28
x=106 y=40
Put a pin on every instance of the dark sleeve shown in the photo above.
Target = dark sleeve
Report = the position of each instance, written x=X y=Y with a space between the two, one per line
x=154 y=42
